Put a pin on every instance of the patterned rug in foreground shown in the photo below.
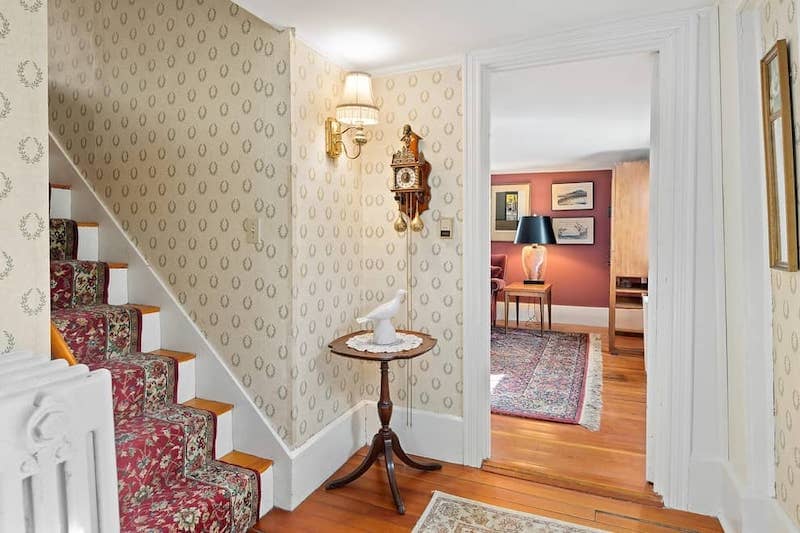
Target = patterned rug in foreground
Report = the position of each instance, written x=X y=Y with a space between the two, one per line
x=450 y=514
x=554 y=376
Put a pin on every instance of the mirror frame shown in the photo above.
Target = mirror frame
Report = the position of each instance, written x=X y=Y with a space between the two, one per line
x=779 y=53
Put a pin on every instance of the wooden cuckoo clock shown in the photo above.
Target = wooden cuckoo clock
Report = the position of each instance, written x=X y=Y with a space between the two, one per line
x=410 y=182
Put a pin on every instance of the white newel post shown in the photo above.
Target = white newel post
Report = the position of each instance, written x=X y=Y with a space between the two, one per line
x=57 y=457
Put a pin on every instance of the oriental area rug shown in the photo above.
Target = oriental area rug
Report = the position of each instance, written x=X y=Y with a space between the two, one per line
x=551 y=376
x=450 y=514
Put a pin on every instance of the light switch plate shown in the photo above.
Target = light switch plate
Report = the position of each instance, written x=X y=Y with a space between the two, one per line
x=446 y=227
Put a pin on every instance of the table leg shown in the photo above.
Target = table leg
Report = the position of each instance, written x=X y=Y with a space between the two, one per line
x=506 y=308
x=541 y=314
x=517 y=312
x=549 y=310
x=387 y=443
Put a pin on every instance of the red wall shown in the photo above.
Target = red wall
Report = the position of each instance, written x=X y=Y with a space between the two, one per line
x=579 y=273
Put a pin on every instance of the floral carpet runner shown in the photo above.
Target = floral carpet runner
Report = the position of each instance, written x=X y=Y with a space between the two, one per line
x=450 y=514
x=553 y=376
x=168 y=479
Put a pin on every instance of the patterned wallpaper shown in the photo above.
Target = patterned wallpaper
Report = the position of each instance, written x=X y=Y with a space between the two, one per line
x=432 y=102
x=778 y=21
x=24 y=251
x=178 y=115
x=326 y=250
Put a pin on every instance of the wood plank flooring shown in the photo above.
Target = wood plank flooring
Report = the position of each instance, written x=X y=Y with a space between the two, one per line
x=609 y=462
x=366 y=504
x=614 y=455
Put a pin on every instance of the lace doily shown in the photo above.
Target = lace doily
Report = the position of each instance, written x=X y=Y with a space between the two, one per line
x=363 y=343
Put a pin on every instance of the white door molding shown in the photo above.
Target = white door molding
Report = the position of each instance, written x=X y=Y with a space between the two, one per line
x=687 y=283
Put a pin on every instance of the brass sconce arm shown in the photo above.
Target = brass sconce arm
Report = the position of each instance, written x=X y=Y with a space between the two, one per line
x=335 y=146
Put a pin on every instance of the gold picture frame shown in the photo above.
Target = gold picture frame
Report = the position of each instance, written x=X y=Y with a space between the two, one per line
x=776 y=110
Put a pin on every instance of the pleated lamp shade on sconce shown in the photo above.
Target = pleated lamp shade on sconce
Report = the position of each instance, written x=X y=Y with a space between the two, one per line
x=358 y=105
x=535 y=231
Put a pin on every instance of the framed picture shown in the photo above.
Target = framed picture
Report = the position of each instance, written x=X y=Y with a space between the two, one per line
x=579 y=230
x=572 y=196
x=779 y=155
x=509 y=202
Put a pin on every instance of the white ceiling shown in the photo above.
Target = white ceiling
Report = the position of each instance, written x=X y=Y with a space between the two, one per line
x=571 y=116
x=381 y=33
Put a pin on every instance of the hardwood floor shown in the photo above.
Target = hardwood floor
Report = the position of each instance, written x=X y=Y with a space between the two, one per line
x=366 y=504
x=609 y=462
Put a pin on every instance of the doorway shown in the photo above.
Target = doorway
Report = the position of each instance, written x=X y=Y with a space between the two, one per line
x=570 y=146
x=686 y=326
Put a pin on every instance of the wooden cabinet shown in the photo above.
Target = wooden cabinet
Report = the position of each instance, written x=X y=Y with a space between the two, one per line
x=630 y=200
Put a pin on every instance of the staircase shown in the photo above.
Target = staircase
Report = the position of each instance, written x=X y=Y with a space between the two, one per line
x=176 y=466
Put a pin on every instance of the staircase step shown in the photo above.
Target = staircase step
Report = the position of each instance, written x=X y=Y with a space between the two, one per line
x=151 y=327
x=264 y=468
x=88 y=241
x=186 y=373
x=223 y=412
x=60 y=200
x=117 y=283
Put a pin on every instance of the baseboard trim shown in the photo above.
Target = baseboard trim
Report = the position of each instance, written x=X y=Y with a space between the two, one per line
x=717 y=491
x=574 y=314
x=433 y=435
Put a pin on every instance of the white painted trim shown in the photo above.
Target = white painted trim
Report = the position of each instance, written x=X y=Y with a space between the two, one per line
x=718 y=492
x=685 y=151
x=255 y=433
x=151 y=332
x=759 y=391
x=428 y=64
x=60 y=206
x=573 y=315
x=88 y=243
x=223 y=440
x=267 y=491
x=433 y=435
x=186 y=381
x=324 y=453
x=117 y=286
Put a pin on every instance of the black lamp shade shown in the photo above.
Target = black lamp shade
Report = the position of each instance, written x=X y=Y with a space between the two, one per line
x=535 y=230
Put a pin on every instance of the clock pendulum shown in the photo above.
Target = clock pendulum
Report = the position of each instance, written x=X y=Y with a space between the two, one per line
x=416 y=222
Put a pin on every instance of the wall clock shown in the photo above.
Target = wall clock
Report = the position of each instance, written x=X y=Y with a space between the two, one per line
x=410 y=182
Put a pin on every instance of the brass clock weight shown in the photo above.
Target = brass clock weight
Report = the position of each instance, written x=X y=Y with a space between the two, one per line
x=410 y=183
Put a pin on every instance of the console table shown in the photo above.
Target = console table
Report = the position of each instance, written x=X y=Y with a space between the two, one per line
x=385 y=442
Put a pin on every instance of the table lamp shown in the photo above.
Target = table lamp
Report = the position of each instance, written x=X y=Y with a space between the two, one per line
x=534 y=231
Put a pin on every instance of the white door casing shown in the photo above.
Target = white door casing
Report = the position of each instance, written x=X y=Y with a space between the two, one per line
x=687 y=299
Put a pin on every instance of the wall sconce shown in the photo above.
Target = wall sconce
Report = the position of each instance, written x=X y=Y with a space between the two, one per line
x=357 y=110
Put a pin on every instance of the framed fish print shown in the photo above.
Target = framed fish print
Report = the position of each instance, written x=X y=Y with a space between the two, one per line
x=579 y=230
x=776 y=108
x=572 y=196
x=509 y=203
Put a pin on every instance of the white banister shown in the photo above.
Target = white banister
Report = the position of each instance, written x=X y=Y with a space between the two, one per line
x=57 y=457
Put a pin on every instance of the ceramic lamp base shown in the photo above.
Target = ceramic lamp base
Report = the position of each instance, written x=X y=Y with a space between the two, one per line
x=534 y=263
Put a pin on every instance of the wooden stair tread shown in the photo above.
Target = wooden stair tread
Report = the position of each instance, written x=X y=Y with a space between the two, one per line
x=61 y=186
x=218 y=408
x=146 y=309
x=88 y=224
x=245 y=460
x=117 y=265
x=180 y=357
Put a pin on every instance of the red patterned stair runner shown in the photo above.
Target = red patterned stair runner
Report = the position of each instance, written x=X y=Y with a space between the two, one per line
x=167 y=476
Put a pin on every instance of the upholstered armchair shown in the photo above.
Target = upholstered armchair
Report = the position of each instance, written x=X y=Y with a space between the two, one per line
x=498 y=275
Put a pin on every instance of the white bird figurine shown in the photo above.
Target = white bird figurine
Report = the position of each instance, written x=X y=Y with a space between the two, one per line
x=383 y=331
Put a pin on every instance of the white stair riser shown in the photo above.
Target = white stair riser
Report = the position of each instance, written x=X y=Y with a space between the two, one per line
x=88 y=243
x=151 y=332
x=223 y=444
x=118 y=286
x=267 y=492
x=186 y=381
x=60 y=203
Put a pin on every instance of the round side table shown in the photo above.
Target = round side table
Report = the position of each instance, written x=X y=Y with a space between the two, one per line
x=385 y=442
